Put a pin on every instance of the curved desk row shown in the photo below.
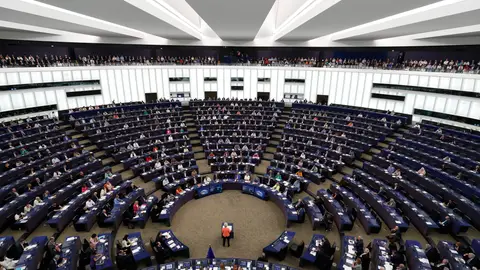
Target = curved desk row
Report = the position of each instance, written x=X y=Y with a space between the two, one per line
x=258 y=190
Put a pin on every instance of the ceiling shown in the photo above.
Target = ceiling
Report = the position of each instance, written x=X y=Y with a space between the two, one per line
x=307 y=23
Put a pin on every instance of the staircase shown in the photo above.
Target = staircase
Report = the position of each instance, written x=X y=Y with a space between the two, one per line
x=271 y=149
x=198 y=152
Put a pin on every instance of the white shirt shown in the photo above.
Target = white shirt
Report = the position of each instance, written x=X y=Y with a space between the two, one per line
x=89 y=204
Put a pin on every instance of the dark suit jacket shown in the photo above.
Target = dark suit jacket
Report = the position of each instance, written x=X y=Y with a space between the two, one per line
x=359 y=246
x=365 y=261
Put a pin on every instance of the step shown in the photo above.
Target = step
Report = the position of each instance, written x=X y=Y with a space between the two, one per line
x=199 y=155
x=203 y=167
x=99 y=154
x=108 y=161
x=279 y=130
x=383 y=145
x=197 y=149
x=270 y=149
x=375 y=150
x=77 y=136
x=262 y=167
x=117 y=168
x=388 y=139
x=91 y=148
x=273 y=143
x=366 y=157
x=195 y=142
x=358 y=164
x=268 y=156
x=337 y=177
x=85 y=142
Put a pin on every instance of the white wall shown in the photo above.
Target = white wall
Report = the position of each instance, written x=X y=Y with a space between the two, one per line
x=344 y=86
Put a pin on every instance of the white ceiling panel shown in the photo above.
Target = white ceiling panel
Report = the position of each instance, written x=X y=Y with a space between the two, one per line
x=29 y=19
x=122 y=13
x=350 y=13
x=454 y=21
x=233 y=19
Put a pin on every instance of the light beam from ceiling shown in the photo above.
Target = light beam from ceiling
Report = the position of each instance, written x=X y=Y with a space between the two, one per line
x=425 y=13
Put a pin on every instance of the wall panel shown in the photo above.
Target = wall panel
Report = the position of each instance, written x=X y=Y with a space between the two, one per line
x=344 y=86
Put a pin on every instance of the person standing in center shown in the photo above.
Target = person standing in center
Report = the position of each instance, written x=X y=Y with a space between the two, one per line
x=226 y=234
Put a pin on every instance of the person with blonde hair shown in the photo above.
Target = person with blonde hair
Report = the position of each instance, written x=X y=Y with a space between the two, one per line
x=226 y=234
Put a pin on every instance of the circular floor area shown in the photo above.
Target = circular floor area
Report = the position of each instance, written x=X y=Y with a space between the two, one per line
x=256 y=224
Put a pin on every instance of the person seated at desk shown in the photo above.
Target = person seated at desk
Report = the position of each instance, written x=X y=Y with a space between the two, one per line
x=37 y=201
x=381 y=191
x=89 y=204
x=247 y=177
x=297 y=184
x=126 y=243
x=179 y=190
x=108 y=174
x=477 y=169
x=19 y=215
x=299 y=173
x=328 y=220
x=14 y=193
x=148 y=159
x=298 y=205
x=8 y=263
x=28 y=207
x=395 y=234
x=94 y=258
x=93 y=241
x=334 y=195
x=278 y=177
x=207 y=180
x=133 y=155
x=130 y=147
x=102 y=217
x=262 y=258
x=443 y=265
x=397 y=173
x=57 y=174
x=422 y=171
x=461 y=249
x=136 y=208
x=117 y=200
x=160 y=252
x=84 y=188
x=392 y=203
x=277 y=186
x=55 y=160
x=391 y=169
x=438 y=131
x=108 y=186
x=472 y=260
x=451 y=204
x=447 y=159
x=446 y=223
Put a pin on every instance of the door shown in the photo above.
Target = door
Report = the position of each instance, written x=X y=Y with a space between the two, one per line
x=151 y=97
x=322 y=99
x=210 y=94
x=263 y=95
